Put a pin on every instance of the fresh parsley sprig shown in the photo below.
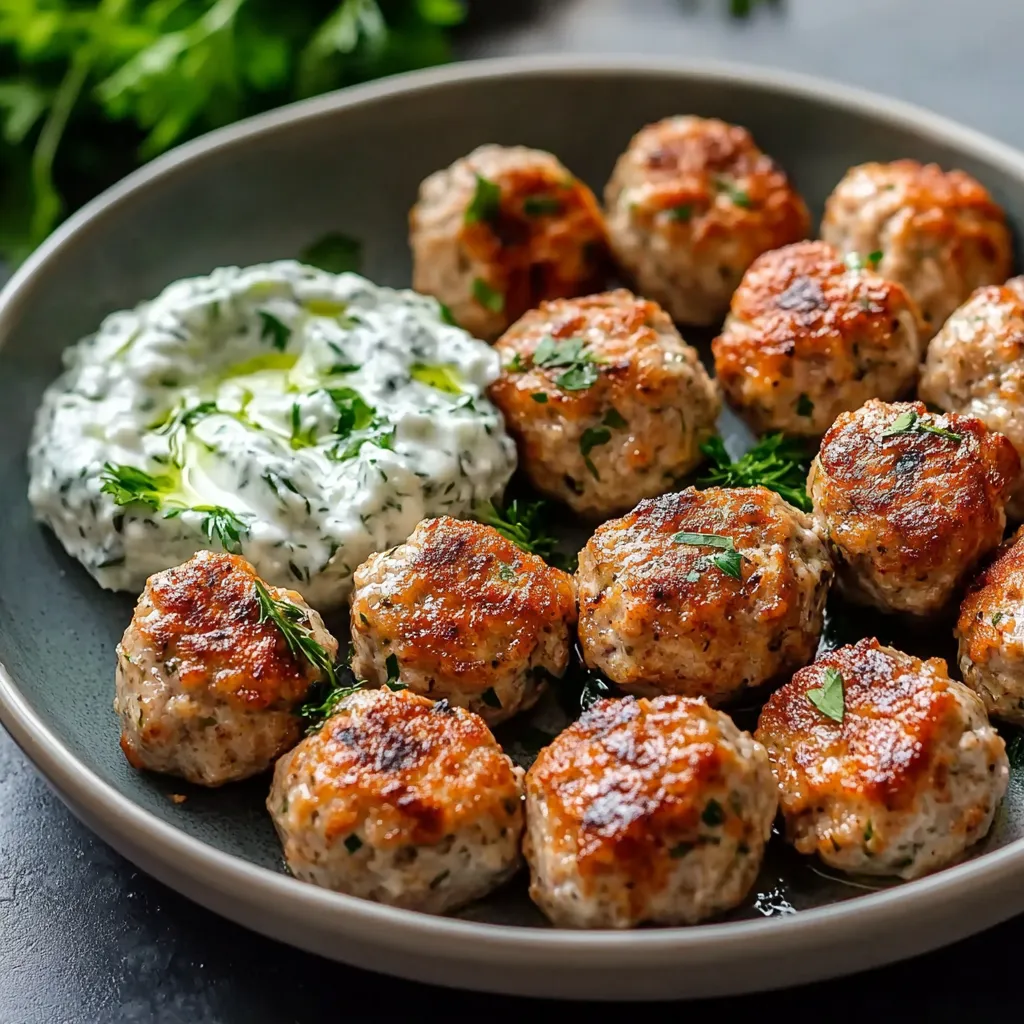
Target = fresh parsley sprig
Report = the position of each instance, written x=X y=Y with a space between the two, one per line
x=525 y=525
x=292 y=623
x=485 y=206
x=728 y=560
x=581 y=365
x=830 y=698
x=909 y=422
x=128 y=485
x=776 y=462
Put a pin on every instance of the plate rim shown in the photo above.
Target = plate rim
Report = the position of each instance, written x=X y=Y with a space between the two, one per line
x=269 y=890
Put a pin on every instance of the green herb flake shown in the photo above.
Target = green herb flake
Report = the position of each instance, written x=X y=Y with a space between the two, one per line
x=910 y=422
x=592 y=438
x=392 y=667
x=682 y=213
x=490 y=698
x=728 y=187
x=446 y=315
x=218 y=524
x=274 y=331
x=830 y=698
x=442 y=376
x=515 y=364
x=540 y=397
x=728 y=561
x=855 y=262
x=541 y=206
x=128 y=485
x=506 y=572
x=581 y=371
x=713 y=814
x=804 y=406
x=613 y=418
x=869 y=832
x=485 y=206
x=292 y=623
x=776 y=462
x=353 y=843
x=487 y=296
x=998 y=617
x=335 y=253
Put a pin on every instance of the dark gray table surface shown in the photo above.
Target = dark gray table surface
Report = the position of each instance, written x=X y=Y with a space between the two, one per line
x=85 y=938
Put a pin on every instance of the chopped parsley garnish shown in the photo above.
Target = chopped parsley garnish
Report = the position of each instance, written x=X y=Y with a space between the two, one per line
x=437 y=375
x=713 y=814
x=594 y=436
x=486 y=202
x=728 y=187
x=523 y=523
x=540 y=397
x=854 y=261
x=128 y=485
x=541 y=206
x=998 y=617
x=353 y=843
x=446 y=315
x=487 y=296
x=728 y=560
x=219 y=523
x=336 y=253
x=909 y=422
x=392 y=668
x=830 y=698
x=682 y=213
x=515 y=364
x=490 y=698
x=776 y=462
x=292 y=623
x=301 y=438
x=581 y=370
x=869 y=831
x=353 y=412
x=272 y=330
x=506 y=572
x=804 y=406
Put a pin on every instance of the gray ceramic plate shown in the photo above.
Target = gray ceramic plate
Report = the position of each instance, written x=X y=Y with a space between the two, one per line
x=351 y=162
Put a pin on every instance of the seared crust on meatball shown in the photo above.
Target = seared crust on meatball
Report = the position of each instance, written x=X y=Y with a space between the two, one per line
x=940 y=234
x=910 y=502
x=206 y=686
x=646 y=811
x=606 y=401
x=400 y=800
x=458 y=611
x=663 y=613
x=975 y=365
x=991 y=634
x=904 y=784
x=690 y=205
x=502 y=229
x=809 y=337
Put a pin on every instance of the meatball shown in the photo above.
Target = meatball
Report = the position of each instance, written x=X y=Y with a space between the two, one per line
x=646 y=811
x=975 y=365
x=809 y=337
x=690 y=205
x=910 y=502
x=703 y=593
x=886 y=766
x=460 y=612
x=606 y=401
x=207 y=682
x=938 y=233
x=989 y=630
x=502 y=229
x=400 y=800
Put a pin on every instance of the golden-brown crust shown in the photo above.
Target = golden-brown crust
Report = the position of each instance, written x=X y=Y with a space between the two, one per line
x=910 y=498
x=899 y=713
x=407 y=770
x=630 y=779
x=463 y=581
x=995 y=593
x=204 y=615
x=621 y=332
x=689 y=163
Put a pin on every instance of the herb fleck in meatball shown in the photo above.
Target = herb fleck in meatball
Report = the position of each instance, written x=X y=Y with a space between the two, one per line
x=991 y=634
x=703 y=593
x=904 y=783
x=938 y=233
x=910 y=502
x=606 y=401
x=810 y=336
x=207 y=684
x=975 y=365
x=646 y=811
x=502 y=229
x=458 y=611
x=690 y=205
x=400 y=800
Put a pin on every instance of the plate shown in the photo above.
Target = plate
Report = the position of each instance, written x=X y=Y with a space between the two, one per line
x=351 y=162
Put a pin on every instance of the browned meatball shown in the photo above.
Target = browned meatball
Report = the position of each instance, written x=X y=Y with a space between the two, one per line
x=991 y=634
x=401 y=800
x=690 y=205
x=975 y=365
x=646 y=810
x=207 y=683
x=910 y=502
x=502 y=229
x=703 y=593
x=938 y=233
x=606 y=401
x=886 y=766
x=809 y=336
x=458 y=611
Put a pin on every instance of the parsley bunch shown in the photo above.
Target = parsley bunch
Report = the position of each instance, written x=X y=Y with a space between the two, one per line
x=90 y=90
x=775 y=462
